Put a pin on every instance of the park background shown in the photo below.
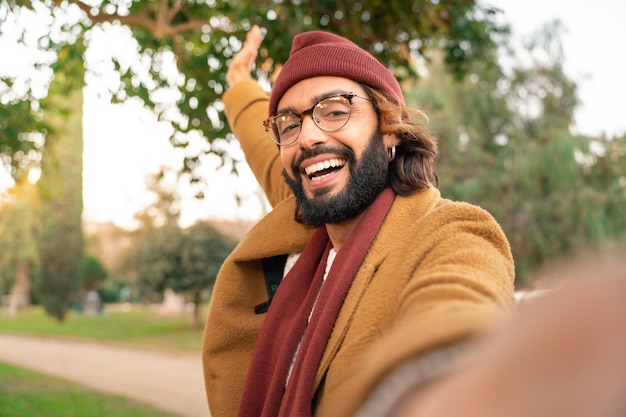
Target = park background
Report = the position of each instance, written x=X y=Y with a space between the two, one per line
x=530 y=123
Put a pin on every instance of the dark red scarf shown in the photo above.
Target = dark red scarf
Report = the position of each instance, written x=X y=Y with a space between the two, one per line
x=287 y=320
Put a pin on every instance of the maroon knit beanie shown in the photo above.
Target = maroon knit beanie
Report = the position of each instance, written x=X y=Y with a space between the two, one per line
x=319 y=53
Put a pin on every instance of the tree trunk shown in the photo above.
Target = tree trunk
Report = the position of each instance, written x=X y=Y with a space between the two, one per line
x=195 y=318
x=19 y=297
x=61 y=188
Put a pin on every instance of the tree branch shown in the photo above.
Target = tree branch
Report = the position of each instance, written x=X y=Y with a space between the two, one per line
x=159 y=27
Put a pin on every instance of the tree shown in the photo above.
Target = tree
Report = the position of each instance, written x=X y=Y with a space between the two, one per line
x=92 y=274
x=58 y=119
x=61 y=243
x=156 y=259
x=506 y=145
x=168 y=257
x=203 y=252
x=18 y=245
x=187 y=46
x=186 y=261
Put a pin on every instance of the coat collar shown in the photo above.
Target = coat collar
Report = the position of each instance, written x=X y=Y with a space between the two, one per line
x=278 y=233
x=275 y=234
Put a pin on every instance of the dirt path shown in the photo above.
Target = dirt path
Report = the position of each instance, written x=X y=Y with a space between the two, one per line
x=172 y=382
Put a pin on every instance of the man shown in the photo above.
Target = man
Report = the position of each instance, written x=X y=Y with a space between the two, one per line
x=378 y=273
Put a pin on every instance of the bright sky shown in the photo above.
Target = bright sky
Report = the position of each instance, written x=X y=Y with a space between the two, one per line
x=124 y=143
x=594 y=58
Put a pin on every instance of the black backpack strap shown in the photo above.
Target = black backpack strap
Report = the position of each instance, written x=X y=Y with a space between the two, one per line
x=273 y=268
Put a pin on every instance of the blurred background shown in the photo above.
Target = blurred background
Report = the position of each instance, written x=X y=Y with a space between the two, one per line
x=121 y=184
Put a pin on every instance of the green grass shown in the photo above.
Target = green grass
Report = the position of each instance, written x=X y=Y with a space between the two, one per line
x=140 y=327
x=28 y=394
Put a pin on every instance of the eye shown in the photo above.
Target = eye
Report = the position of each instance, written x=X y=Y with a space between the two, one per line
x=286 y=123
x=284 y=129
x=333 y=108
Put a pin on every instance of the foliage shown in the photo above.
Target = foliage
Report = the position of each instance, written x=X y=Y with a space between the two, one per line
x=21 y=123
x=187 y=46
x=27 y=393
x=23 y=128
x=93 y=273
x=157 y=260
x=186 y=261
x=114 y=291
x=505 y=144
x=20 y=136
x=203 y=252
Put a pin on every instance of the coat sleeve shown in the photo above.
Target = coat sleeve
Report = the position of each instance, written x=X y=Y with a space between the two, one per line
x=245 y=106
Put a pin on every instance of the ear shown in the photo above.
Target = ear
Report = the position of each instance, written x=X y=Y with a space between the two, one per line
x=390 y=140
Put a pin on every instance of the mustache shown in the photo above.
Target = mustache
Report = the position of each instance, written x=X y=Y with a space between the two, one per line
x=346 y=152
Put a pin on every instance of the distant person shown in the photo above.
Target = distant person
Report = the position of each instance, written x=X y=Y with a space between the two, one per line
x=376 y=272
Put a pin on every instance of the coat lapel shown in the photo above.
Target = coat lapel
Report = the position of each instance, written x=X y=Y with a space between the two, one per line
x=403 y=213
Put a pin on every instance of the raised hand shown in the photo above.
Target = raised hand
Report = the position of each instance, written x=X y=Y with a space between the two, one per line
x=241 y=65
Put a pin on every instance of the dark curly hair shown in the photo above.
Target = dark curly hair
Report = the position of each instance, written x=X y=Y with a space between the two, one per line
x=413 y=168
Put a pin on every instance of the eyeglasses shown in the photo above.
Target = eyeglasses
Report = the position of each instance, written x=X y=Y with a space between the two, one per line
x=329 y=114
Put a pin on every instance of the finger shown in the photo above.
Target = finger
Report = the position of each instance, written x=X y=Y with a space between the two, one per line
x=254 y=38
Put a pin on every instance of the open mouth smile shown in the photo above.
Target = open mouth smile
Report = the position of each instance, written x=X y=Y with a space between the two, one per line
x=322 y=169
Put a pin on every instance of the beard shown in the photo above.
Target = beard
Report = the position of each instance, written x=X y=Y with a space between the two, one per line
x=367 y=179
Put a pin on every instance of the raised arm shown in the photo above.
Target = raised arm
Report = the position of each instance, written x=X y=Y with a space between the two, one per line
x=246 y=106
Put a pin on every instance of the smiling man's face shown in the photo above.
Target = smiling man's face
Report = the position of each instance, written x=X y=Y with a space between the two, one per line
x=334 y=175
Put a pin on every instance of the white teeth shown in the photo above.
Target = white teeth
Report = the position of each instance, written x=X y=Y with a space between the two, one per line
x=320 y=166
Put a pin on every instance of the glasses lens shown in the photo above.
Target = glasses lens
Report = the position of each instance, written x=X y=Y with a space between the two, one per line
x=332 y=113
x=286 y=127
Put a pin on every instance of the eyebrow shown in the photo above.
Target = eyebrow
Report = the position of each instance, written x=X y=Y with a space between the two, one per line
x=327 y=94
x=314 y=100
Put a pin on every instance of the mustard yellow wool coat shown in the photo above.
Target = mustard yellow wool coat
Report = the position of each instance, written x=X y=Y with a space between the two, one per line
x=437 y=272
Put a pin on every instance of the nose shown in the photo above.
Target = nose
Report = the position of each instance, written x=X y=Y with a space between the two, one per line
x=310 y=134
